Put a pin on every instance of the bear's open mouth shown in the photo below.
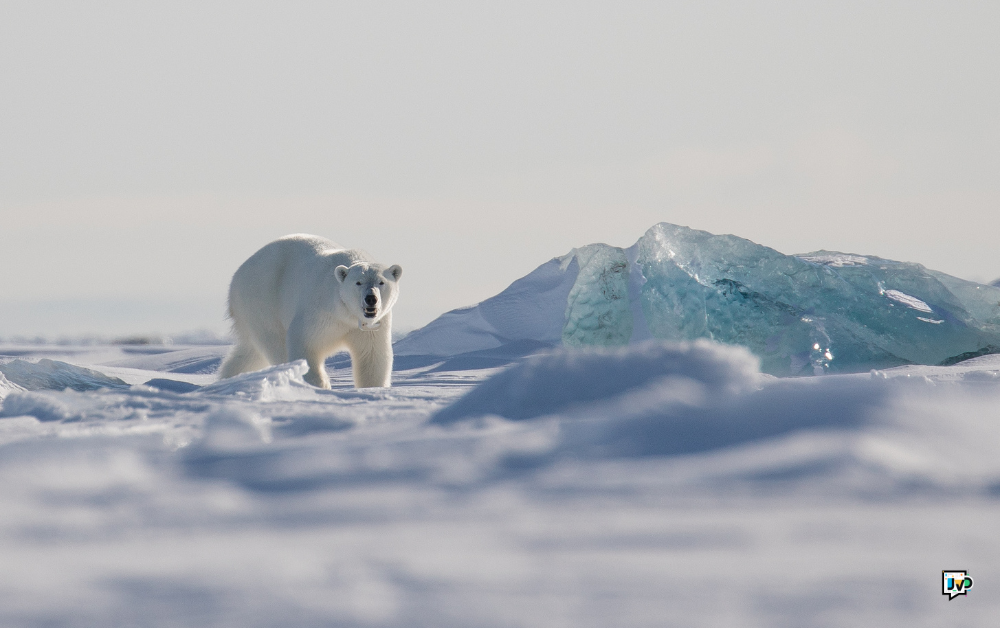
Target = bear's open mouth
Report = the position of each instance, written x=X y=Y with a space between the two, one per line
x=371 y=312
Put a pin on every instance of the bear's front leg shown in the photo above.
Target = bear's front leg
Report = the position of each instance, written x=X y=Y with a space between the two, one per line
x=371 y=371
x=299 y=349
x=371 y=357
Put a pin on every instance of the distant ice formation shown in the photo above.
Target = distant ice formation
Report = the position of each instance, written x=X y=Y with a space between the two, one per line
x=800 y=314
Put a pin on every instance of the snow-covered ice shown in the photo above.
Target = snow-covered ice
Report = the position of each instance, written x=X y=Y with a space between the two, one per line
x=647 y=485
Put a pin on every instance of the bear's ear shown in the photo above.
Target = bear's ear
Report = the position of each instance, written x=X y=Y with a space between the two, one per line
x=341 y=272
x=395 y=270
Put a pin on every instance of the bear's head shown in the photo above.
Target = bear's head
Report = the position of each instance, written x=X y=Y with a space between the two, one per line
x=369 y=291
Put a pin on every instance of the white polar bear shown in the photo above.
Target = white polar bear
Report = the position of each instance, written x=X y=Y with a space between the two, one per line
x=304 y=297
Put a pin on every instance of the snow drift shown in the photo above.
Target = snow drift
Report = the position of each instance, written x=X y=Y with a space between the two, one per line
x=568 y=380
x=676 y=400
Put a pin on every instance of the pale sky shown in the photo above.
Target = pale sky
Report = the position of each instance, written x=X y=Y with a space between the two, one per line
x=147 y=149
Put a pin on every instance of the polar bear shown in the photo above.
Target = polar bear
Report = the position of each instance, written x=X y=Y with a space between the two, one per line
x=304 y=297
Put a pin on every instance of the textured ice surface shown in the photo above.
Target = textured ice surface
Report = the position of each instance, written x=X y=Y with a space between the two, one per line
x=597 y=308
x=806 y=314
x=811 y=313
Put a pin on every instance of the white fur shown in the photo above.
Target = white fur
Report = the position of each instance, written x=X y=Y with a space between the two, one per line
x=303 y=297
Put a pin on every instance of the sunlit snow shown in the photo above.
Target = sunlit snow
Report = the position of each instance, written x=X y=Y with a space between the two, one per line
x=645 y=486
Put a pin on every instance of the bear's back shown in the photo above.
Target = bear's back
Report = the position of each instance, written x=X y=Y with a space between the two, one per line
x=275 y=278
x=305 y=248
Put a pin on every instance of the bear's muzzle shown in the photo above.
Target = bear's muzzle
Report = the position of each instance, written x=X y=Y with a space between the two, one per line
x=371 y=303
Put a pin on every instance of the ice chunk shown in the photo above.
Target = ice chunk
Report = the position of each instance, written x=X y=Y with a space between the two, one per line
x=810 y=313
x=597 y=308
x=981 y=301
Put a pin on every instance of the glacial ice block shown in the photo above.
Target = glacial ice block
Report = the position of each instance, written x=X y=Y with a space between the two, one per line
x=822 y=311
x=597 y=308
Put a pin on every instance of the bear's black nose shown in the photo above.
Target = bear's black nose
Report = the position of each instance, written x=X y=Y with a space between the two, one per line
x=371 y=300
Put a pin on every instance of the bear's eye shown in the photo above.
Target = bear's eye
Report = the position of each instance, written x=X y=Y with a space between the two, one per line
x=359 y=283
x=381 y=283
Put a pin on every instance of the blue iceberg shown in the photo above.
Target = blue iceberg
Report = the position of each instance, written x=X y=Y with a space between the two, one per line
x=811 y=313
x=800 y=314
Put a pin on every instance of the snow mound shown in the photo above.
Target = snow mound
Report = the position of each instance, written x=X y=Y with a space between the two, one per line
x=705 y=410
x=532 y=308
x=567 y=380
x=658 y=399
x=55 y=375
x=807 y=314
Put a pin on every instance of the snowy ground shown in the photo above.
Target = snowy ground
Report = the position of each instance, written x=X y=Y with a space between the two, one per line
x=659 y=486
